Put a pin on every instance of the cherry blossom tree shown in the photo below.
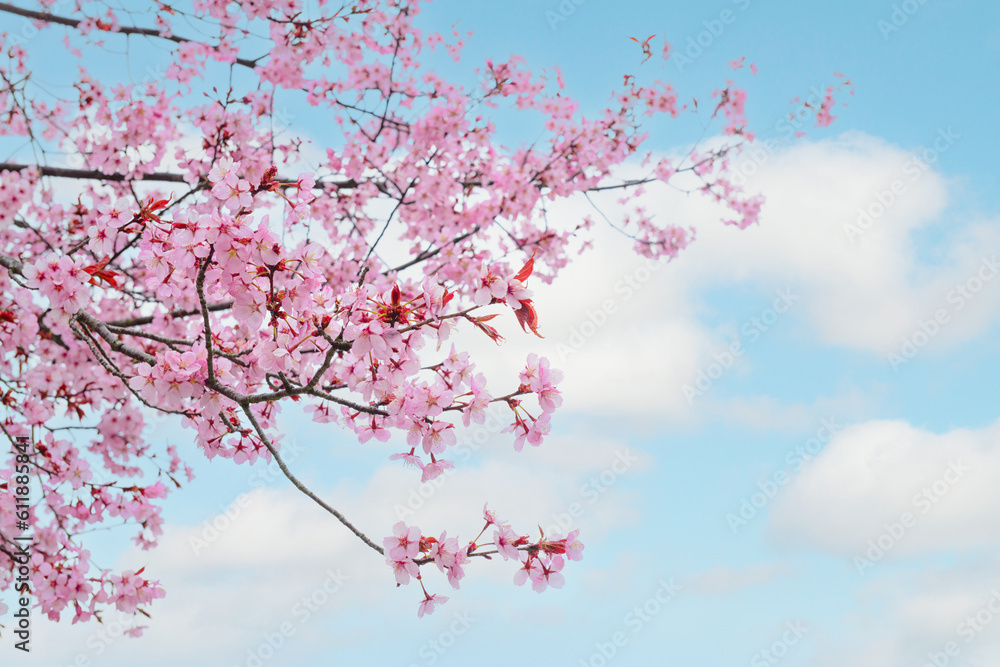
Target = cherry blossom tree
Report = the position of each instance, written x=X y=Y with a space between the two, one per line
x=170 y=246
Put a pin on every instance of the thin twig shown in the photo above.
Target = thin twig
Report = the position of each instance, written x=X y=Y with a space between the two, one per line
x=299 y=485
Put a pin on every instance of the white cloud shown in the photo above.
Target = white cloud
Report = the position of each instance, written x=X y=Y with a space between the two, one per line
x=724 y=580
x=911 y=620
x=770 y=414
x=874 y=478
x=866 y=291
x=228 y=590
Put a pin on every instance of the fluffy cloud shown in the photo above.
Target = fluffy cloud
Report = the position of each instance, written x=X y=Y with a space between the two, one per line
x=630 y=338
x=724 y=580
x=934 y=618
x=273 y=557
x=904 y=489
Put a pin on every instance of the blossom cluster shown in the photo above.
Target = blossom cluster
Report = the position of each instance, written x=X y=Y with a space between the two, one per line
x=542 y=561
x=195 y=261
x=16 y=188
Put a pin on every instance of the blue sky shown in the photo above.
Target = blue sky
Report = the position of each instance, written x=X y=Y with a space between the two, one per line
x=789 y=582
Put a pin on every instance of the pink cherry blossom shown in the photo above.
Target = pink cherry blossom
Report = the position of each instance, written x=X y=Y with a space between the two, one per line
x=548 y=574
x=504 y=538
x=489 y=515
x=530 y=569
x=234 y=194
x=428 y=604
x=433 y=470
x=405 y=543
x=574 y=547
x=224 y=171
x=403 y=569
x=177 y=260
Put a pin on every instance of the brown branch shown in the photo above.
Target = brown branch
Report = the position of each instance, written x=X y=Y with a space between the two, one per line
x=417 y=325
x=103 y=359
x=624 y=184
x=148 y=319
x=482 y=554
x=114 y=341
x=339 y=401
x=123 y=30
x=158 y=176
x=207 y=323
x=92 y=174
x=430 y=252
x=299 y=485
x=145 y=334
x=13 y=265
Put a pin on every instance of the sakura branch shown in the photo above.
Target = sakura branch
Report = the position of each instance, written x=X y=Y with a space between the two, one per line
x=168 y=247
x=541 y=562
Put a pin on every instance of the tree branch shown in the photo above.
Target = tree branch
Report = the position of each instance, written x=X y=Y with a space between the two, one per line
x=148 y=319
x=14 y=266
x=430 y=252
x=299 y=485
x=200 y=287
x=123 y=30
x=114 y=341
x=159 y=176
x=341 y=401
x=92 y=174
